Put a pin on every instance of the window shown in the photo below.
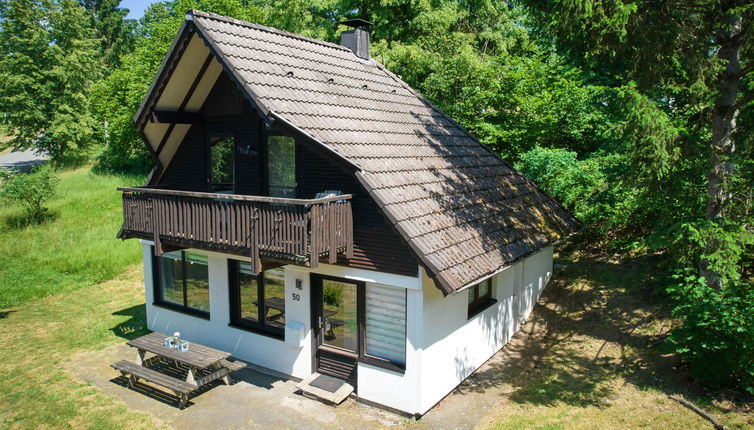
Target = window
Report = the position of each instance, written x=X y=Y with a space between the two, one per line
x=257 y=302
x=181 y=282
x=480 y=297
x=221 y=163
x=281 y=166
x=385 y=321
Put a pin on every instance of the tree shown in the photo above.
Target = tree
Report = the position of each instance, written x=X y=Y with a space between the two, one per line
x=114 y=30
x=682 y=72
x=678 y=61
x=50 y=60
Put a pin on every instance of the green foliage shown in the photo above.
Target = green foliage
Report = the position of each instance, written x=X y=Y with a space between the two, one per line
x=664 y=63
x=717 y=336
x=573 y=182
x=49 y=63
x=113 y=29
x=31 y=190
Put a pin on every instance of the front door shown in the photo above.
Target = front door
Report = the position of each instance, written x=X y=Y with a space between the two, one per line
x=335 y=322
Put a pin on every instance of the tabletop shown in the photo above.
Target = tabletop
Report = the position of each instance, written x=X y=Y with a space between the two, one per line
x=198 y=355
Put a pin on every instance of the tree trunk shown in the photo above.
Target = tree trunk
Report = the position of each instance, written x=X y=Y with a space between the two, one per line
x=724 y=116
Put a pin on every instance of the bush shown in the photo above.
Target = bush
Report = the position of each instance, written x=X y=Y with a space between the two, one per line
x=31 y=190
x=717 y=335
x=716 y=338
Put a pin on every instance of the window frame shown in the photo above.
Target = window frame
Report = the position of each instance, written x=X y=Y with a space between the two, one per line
x=158 y=299
x=265 y=161
x=236 y=321
x=480 y=303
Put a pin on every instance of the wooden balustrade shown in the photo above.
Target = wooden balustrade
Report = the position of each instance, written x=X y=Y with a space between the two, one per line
x=299 y=231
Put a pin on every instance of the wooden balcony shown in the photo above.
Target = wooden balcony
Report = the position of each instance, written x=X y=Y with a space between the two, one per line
x=291 y=231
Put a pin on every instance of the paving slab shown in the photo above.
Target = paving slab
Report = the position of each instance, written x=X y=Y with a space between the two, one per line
x=263 y=400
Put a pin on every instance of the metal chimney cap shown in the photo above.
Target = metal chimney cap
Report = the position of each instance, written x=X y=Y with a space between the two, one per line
x=356 y=23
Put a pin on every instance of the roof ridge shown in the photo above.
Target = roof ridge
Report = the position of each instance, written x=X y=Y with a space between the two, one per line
x=230 y=20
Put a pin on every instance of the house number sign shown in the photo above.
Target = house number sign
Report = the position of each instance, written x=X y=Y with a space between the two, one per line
x=296 y=297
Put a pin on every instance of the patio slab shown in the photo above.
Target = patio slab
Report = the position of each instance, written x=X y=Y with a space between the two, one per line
x=263 y=400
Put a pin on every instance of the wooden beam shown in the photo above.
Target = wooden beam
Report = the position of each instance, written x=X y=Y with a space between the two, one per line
x=172 y=117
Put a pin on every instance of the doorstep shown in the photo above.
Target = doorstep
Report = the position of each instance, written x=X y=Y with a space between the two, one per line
x=324 y=387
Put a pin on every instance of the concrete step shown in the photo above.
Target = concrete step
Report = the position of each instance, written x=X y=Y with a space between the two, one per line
x=326 y=388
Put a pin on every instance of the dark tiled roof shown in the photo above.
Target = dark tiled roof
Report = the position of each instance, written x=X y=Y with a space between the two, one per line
x=465 y=212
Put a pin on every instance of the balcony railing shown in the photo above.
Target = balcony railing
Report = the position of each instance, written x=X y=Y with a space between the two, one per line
x=296 y=231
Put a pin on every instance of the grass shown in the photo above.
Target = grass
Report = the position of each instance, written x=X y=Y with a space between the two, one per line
x=41 y=337
x=75 y=247
x=597 y=359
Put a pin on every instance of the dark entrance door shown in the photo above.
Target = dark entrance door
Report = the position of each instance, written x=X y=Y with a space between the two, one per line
x=336 y=315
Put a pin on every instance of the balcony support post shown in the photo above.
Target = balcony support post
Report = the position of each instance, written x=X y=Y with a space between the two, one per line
x=157 y=209
x=314 y=247
x=256 y=263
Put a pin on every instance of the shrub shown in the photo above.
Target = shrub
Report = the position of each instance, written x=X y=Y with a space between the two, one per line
x=31 y=190
x=716 y=338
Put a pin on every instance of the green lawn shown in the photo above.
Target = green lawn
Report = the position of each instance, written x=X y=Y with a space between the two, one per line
x=75 y=248
x=41 y=337
x=597 y=359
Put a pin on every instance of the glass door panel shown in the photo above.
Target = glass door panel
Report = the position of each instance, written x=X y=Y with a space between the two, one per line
x=340 y=323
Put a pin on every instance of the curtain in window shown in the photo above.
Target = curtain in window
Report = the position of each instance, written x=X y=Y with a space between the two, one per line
x=386 y=322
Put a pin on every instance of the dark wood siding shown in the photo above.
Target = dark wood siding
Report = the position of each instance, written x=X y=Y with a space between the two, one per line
x=248 y=155
x=188 y=169
x=376 y=245
x=225 y=99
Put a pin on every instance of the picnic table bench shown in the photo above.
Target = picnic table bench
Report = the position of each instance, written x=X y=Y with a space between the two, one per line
x=134 y=372
x=204 y=365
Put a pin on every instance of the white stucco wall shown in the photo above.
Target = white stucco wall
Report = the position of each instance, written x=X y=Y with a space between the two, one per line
x=454 y=345
x=442 y=347
x=293 y=356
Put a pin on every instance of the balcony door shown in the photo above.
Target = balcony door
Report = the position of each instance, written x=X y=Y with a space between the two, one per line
x=222 y=149
x=281 y=166
x=335 y=320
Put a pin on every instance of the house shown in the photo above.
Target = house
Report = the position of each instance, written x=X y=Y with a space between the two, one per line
x=309 y=212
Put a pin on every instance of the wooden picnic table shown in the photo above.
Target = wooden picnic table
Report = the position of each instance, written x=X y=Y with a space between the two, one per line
x=205 y=364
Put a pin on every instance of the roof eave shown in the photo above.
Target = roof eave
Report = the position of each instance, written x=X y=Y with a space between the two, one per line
x=162 y=74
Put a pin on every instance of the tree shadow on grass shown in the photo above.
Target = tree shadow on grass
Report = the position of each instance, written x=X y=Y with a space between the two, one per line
x=21 y=220
x=597 y=323
x=133 y=327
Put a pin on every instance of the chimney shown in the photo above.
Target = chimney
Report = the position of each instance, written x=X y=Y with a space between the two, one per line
x=357 y=40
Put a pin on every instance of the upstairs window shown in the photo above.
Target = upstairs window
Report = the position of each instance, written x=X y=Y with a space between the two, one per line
x=257 y=302
x=222 y=163
x=181 y=281
x=281 y=166
x=480 y=297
